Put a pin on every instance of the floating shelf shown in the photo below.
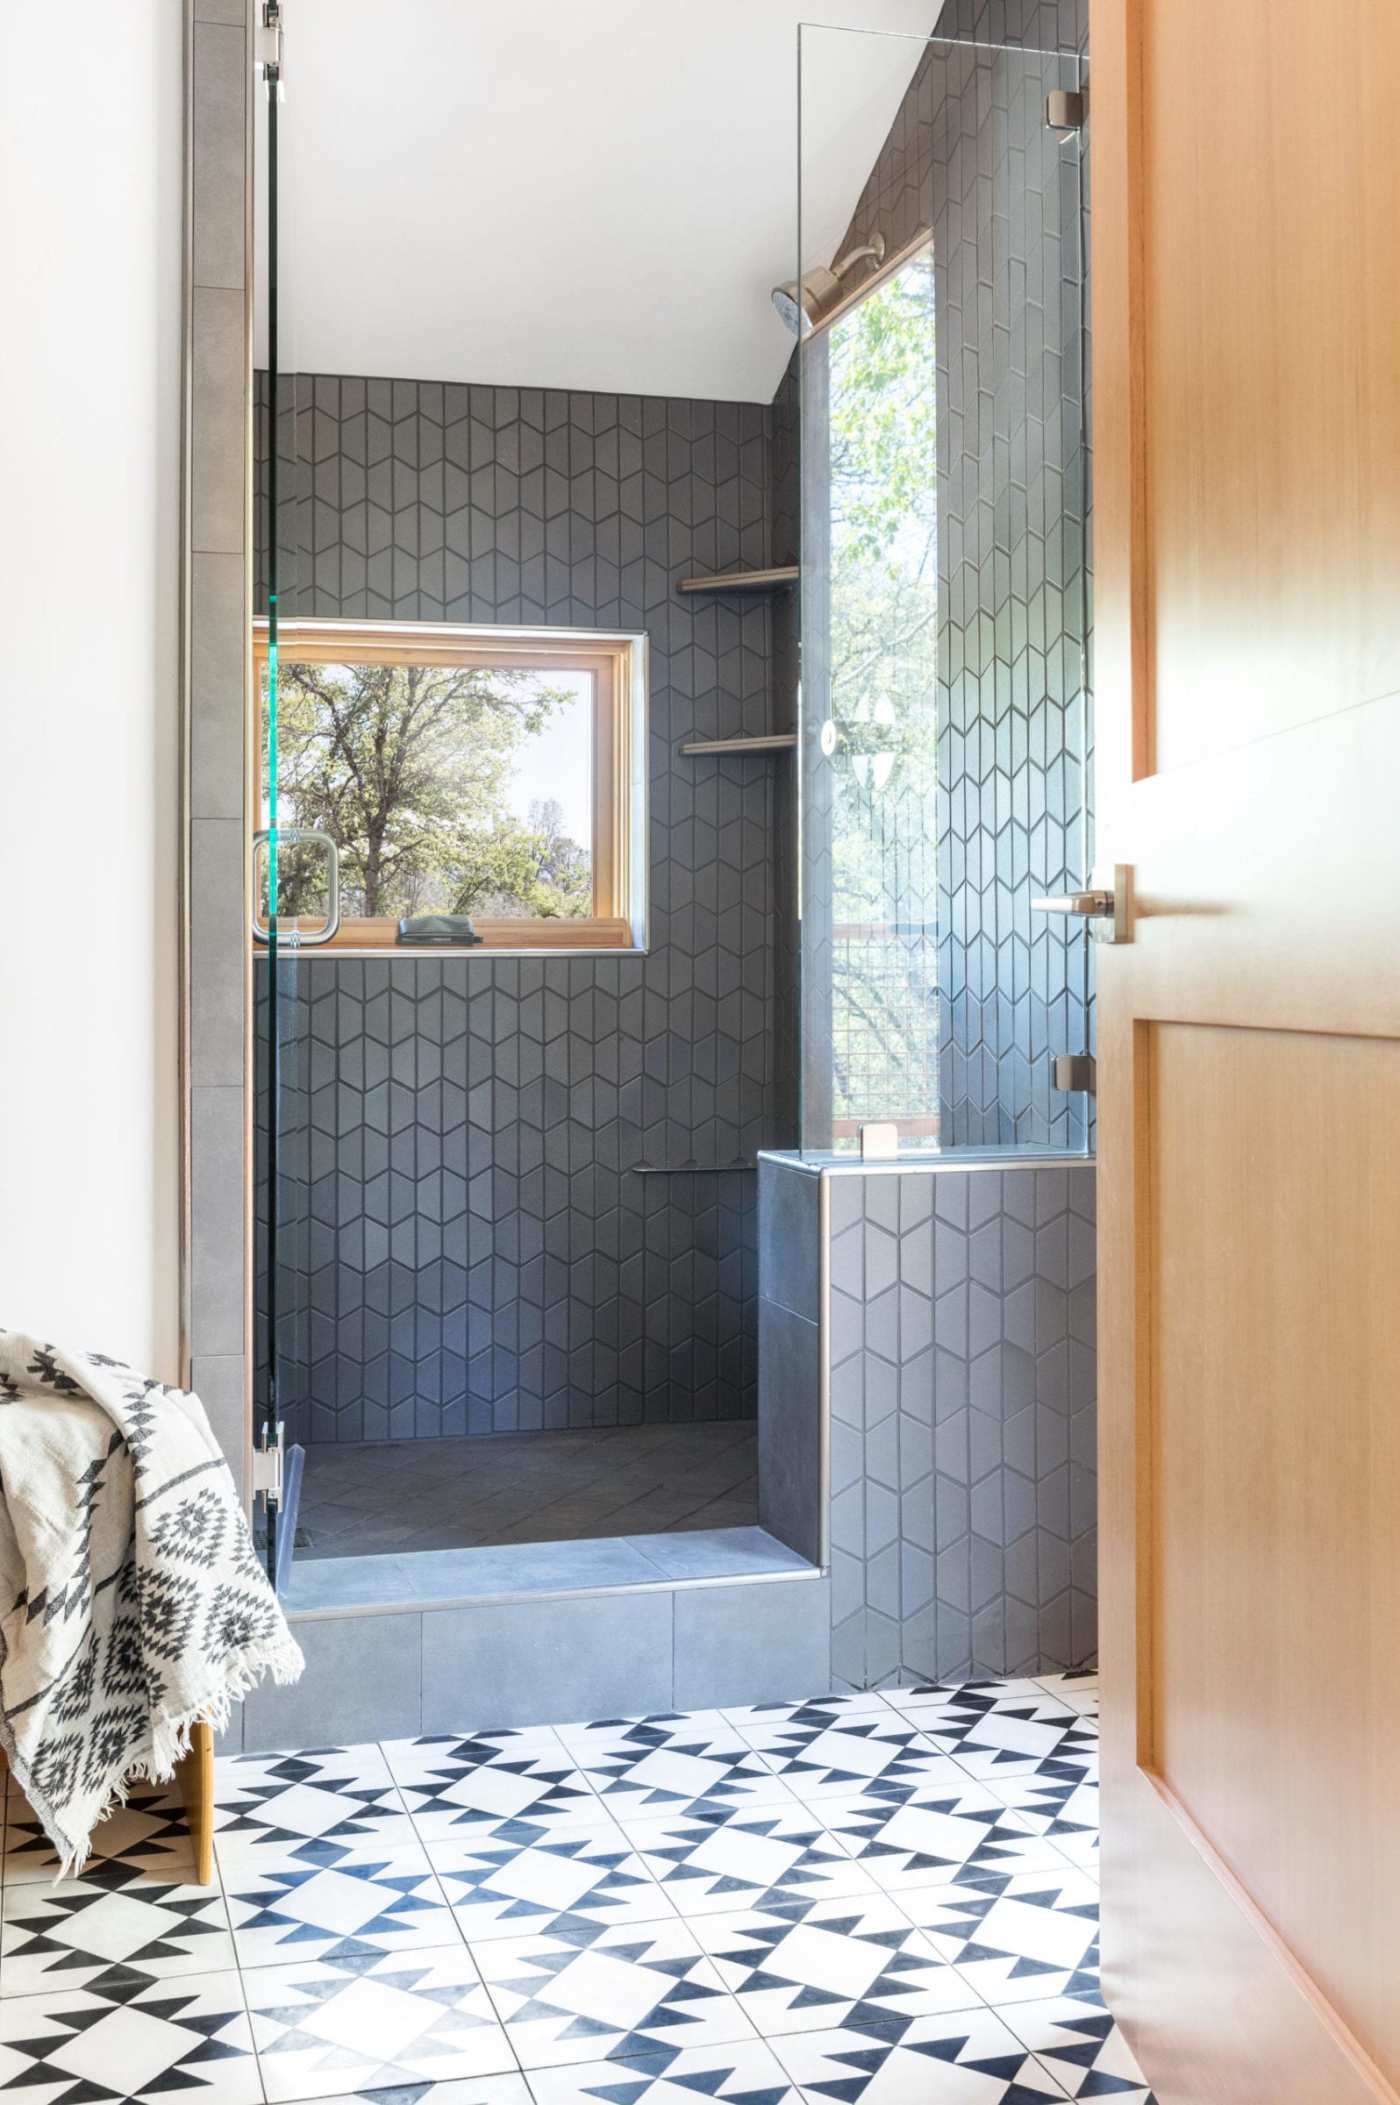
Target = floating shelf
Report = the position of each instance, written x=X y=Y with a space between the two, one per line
x=742 y=580
x=767 y=742
x=693 y=1169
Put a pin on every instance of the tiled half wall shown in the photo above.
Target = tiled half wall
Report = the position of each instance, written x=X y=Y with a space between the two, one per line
x=946 y=1316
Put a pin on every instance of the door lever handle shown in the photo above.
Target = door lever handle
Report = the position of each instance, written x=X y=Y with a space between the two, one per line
x=1092 y=904
x=1104 y=907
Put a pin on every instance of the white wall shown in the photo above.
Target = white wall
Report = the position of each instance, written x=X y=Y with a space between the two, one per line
x=90 y=206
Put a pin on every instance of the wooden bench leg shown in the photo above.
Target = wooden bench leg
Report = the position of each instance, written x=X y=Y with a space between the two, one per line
x=197 y=1787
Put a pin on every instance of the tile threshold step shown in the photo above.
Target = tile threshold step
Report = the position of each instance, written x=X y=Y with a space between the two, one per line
x=508 y=1571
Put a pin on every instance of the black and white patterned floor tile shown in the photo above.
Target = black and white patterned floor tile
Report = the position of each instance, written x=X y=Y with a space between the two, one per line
x=72 y=1934
x=741 y=2072
x=131 y=2037
x=757 y=1856
x=589 y=1732
x=387 y=2023
x=334 y=1805
x=1037 y=1937
x=1064 y=1811
x=148 y=1837
x=968 y=2057
x=885 y=1898
x=494 y=2089
x=1082 y=2047
x=936 y=1834
x=285 y=1909
x=877 y=1751
x=468 y=1784
x=751 y=1718
x=657 y=1768
x=1025 y=1734
x=594 y=1993
x=819 y=1964
x=506 y=1888
x=1078 y=1691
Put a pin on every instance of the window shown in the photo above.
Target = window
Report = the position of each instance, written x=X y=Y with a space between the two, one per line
x=879 y=479
x=460 y=771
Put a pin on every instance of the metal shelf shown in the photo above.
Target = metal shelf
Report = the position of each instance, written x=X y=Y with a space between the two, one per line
x=764 y=742
x=742 y=580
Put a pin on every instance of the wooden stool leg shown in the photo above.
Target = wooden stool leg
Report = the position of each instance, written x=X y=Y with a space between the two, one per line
x=197 y=1785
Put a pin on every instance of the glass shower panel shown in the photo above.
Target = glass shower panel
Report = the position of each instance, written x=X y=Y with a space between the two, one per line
x=294 y=880
x=943 y=618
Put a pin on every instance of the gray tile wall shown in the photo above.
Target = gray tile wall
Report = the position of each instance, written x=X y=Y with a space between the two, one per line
x=960 y=1343
x=472 y=1250
x=970 y=155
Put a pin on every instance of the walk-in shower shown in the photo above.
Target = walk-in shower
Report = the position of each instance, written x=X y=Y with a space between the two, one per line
x=706 y=1194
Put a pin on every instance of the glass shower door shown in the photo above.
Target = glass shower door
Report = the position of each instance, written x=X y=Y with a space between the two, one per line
x=296 y=901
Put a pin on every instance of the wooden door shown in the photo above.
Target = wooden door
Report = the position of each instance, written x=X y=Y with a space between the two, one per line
x=1246 y=259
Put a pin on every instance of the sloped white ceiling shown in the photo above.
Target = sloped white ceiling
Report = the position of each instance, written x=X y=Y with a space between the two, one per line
x=592 y=194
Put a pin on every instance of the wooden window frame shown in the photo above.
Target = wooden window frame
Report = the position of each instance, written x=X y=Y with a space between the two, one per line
x=617 y=663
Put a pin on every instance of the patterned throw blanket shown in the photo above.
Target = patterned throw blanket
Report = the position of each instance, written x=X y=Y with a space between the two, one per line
x=132 y=1602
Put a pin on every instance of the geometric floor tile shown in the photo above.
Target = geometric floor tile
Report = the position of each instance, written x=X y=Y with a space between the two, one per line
x=335 y=1805
x=753 y=1856
x=1034 y=1938
x=881 y=1898
x=1079 y=2043
x=933 y=1835
x=289 y=1910
x=1062 y=1810
x=1078 y=1691
x=744 y=2071
x=496 y=1889
x=993 y=1736
x=967 y=2057
x=131 y=2038
x=750 y=1718
x=462 y=1785
x=883 y=1752
x=67 y=1936
x=652 y=1769
x=479 y=2090
x=815 y=1965
x=407 y=2018
x=595 y=1993
x=148 y=1835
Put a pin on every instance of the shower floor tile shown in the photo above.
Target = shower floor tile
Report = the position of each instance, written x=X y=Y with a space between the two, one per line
x=394 y=1498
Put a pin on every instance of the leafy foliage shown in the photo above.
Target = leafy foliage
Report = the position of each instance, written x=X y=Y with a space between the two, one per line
x=884 y=685
x=408 y=768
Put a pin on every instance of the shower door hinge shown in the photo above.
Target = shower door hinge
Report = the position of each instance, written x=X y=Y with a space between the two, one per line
x=1064 y=110
x=267 y=1468
x=1074 y=1071
x=267 y=45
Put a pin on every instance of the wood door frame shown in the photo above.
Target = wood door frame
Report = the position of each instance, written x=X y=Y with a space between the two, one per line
x=1246 y=1991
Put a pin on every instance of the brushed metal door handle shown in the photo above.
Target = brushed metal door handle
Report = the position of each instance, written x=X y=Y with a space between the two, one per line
x=1105 y=907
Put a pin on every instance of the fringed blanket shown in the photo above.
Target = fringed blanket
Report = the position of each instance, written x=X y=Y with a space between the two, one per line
x=132 y=1601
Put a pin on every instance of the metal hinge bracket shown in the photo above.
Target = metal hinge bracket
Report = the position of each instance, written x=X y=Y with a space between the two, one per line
x=1064 y=110
x=267 y=1468
x=1074 y=1071
x=267 y=44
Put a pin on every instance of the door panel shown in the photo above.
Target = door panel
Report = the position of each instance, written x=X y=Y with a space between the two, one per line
x=1274 y=1160
x=1246 y=183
